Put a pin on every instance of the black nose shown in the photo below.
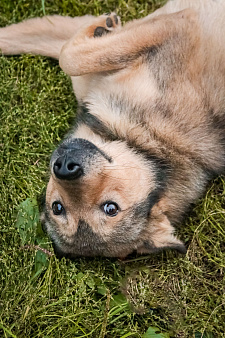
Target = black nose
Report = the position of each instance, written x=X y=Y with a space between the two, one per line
x=65 y=168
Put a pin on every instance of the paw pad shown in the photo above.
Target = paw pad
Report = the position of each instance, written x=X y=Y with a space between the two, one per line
x=99 y=31
x=107 y=23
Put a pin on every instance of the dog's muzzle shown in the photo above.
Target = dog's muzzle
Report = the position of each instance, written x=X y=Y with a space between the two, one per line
x=74 y=158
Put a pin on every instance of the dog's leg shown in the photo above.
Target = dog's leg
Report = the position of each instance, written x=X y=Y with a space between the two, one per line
x=44 y=36
x=100 y=26
x=92 y=54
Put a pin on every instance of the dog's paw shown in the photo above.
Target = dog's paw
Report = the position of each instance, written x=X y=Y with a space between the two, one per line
x=106 y=24
x=97 y=27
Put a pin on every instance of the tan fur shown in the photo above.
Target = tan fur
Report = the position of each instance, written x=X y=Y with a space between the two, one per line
x=152 y=114
x=127 y=181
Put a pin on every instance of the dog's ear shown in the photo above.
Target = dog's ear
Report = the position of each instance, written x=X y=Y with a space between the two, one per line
x=114 y=51
x=160 y=234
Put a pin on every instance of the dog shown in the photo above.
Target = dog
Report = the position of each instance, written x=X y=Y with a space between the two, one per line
x=150 y=128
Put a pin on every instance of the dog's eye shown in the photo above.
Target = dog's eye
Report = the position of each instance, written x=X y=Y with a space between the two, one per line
x=57 y=208
x=110 y=208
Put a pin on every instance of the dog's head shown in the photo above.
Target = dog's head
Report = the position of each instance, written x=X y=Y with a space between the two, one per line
x=104 y=201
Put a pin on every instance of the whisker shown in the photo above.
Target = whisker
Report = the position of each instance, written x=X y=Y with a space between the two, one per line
x=117 y=167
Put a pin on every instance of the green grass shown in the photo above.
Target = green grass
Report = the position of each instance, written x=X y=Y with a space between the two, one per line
x=180 y=295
